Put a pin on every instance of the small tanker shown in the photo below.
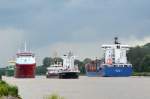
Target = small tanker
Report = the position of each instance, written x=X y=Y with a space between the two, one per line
x=67 y=69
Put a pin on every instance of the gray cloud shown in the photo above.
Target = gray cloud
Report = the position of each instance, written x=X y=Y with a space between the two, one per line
x=44 y=23
x=10 y=42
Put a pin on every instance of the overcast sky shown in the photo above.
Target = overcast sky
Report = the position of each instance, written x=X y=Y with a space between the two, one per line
x=50 y=26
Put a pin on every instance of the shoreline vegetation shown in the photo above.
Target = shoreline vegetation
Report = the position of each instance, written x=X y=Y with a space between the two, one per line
x=8 y=91
x=141 y=74
x=11 y=92
x=53 y=96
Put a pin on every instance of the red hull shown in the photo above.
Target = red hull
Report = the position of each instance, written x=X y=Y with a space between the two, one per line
x=25 y=71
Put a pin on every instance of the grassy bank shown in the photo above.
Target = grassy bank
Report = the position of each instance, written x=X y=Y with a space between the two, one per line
x=54 y=96
x=141 y=74
x=7 y=90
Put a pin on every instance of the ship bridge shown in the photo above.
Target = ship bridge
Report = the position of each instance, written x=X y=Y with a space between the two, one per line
x=115 y=53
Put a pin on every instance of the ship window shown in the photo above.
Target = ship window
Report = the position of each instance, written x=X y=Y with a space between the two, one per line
x=120 y=65
x=118 y=47
x=125 y=65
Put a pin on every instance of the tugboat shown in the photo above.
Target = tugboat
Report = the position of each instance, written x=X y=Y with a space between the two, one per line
x=69 y=70
x=115 y=61
x=53 y=70
x=25 y=64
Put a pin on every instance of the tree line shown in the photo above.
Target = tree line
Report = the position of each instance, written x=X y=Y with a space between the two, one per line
x=139 y=57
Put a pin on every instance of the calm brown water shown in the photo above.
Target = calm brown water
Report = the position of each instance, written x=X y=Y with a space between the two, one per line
x=84 y=87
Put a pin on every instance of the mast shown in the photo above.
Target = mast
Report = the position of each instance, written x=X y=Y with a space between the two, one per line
x=116 y=40
x=25 y=46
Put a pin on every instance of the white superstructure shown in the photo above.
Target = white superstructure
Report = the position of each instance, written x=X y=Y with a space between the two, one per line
x=115 y=54
x=54 y=69
x=68 y=63
x=25 y=58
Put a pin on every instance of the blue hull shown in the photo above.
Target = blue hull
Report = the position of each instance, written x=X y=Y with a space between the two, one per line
x=112 y=72
x=116 y=71
x=92 y=74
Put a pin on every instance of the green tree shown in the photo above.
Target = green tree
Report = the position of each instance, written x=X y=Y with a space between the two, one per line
x=56 y=59
x=145 y=63
x=135 y=55
x=47 y=61
x=2 y=71
x=138 y=57
x=87 y=60
x=81 y=66
x=41 y=70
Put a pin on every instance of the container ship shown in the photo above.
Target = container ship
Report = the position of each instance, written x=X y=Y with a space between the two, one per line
x=25 y=64
x=114 y=63
x=115 y=60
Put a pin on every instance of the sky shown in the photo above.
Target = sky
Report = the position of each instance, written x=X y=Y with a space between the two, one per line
x=82 y=26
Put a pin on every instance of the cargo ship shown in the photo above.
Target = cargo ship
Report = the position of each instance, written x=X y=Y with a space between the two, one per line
x=115 y=60
x=69 y=70
x=114 y=63
x=25 y=64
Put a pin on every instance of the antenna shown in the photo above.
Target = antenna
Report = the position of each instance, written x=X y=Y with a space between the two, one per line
x=25 y=47
x=116 y=40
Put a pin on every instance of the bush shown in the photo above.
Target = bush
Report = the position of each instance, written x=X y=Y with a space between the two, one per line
x=3 y=82
x=41 y=70
x=13 y=90
x=54 y=96
x=8 y=90
x=3 y=90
